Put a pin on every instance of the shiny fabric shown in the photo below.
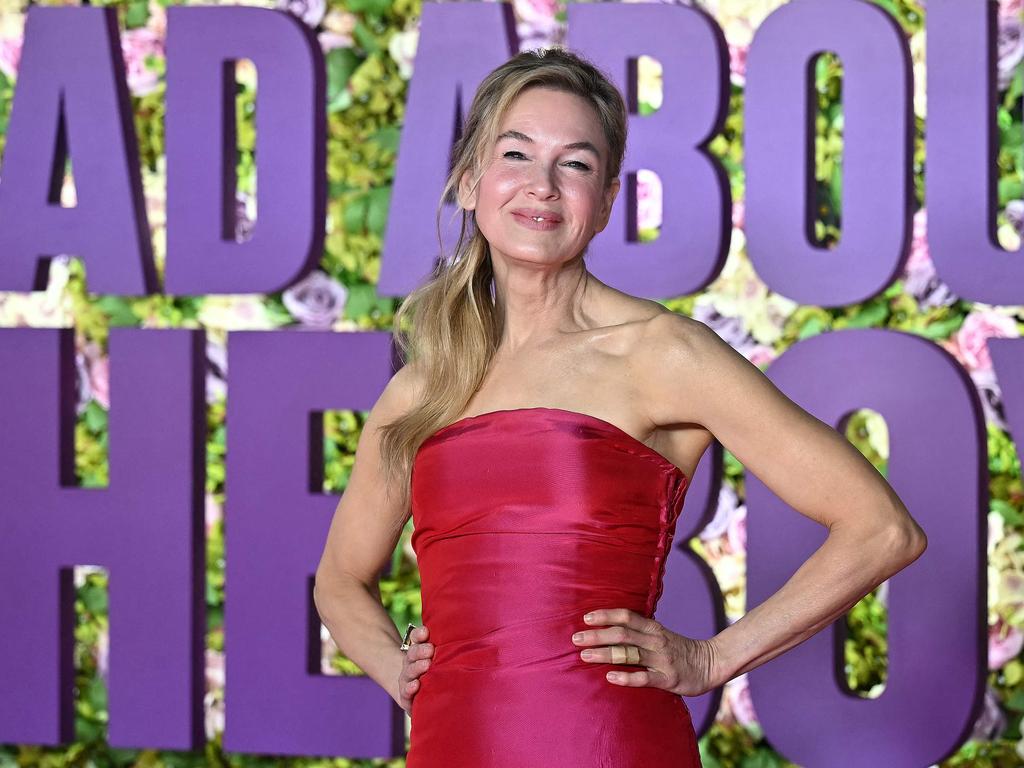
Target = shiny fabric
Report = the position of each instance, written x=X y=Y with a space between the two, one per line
x=525 y=519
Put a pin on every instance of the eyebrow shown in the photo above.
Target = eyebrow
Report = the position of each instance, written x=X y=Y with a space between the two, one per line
x=584 y=145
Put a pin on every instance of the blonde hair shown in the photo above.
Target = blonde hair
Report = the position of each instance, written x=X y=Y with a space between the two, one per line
x=455 y=325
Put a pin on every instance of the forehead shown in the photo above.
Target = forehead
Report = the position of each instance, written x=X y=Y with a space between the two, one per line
x=546 y=113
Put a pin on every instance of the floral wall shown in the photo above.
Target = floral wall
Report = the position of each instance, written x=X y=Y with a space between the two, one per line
x=370 y=48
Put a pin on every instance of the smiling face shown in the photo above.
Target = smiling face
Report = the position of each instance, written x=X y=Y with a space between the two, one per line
x=550 y=160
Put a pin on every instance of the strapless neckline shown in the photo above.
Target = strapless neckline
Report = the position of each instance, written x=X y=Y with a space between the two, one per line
x=608 y=426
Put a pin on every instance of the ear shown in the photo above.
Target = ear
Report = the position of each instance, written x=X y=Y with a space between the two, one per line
x=467 y=196
x=606 y=207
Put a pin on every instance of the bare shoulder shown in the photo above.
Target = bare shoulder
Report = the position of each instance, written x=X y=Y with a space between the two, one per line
x=690 y=374
x=399 y=396
x=674 y=357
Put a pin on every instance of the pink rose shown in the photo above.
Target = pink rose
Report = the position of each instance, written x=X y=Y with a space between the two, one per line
x=1010 y=48
x=737 y=531
x=98 y=367
x=536 y=24
x=741 y=707
x=10 y=56
x=648 y=194
x=136 y=45
x=760 y=355
x=738 y=213
x=978 y=328
x=1004 y=643
x=213 y=512
x=738 y=63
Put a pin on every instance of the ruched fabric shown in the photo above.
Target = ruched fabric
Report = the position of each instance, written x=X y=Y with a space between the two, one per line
x=526 y=519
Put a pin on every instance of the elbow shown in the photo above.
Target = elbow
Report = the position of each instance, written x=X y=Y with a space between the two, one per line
x=318 y=595
x=320 y=581
x=909 y=542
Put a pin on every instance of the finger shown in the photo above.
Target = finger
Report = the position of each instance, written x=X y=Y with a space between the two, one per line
x=617 y=635
x=635 y=679
x=622 y=616
x=421 y=650
x=421 y=634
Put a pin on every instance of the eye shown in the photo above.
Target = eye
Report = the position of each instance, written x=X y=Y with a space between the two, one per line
x=579 y=163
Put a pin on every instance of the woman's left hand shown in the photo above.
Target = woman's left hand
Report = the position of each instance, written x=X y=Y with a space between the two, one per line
x=679 y=664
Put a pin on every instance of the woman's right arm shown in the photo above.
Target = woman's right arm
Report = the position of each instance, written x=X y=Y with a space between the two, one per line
x=363 y=535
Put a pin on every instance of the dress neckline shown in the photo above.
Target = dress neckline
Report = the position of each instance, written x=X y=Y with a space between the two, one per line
x=607 y=425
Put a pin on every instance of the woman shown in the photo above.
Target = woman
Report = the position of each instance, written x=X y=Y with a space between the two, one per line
x=542 y=436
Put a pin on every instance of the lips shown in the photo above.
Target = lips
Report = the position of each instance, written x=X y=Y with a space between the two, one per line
x=533 y=212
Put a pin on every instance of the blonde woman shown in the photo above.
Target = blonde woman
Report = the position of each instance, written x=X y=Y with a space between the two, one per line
x=542 y=435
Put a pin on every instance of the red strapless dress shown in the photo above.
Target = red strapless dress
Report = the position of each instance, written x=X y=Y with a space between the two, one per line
x=525 y=519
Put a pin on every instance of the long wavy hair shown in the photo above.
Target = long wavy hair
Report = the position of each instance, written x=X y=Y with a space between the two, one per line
x=454 y=324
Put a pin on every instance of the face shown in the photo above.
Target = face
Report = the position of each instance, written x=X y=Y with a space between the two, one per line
x=549 y=160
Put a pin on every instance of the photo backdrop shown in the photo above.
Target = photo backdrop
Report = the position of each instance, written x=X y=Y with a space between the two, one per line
x=370 y=54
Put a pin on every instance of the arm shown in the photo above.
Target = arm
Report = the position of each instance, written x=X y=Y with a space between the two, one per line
x=363 y=534
x=806 y=463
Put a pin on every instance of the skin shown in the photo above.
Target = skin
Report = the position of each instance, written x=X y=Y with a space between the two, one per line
x=572 y=342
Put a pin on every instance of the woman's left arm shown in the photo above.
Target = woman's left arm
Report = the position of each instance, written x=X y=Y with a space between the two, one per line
x=693 y=376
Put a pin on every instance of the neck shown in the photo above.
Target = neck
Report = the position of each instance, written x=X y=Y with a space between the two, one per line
x=540 y=303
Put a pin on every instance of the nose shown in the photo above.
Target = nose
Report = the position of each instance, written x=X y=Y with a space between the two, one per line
x=543 y=183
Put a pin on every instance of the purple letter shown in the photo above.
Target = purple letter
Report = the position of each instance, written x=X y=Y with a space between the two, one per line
x=72 y=98
x=276 y=521
x=937 y=610
x=962 y=145
x=694 y=239
x=459 y=44
x=203 y=44
x=146 y=529
x=779 y=154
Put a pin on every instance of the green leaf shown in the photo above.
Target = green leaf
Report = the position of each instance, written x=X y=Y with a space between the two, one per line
x=1015 y=701
x=365 y=37
x=375 y=7
x=354 y=214
x=118 y=310
x=1009 y=189
x=377 y=212
x=95 y=417
x=96 y=694
x=941 y=329
x=94 y=599
x=811 y=327
x=136 y=15
x=361 y=299
x=1006 y=510
x=387 y=138
x=341 y=63
x=869 y=315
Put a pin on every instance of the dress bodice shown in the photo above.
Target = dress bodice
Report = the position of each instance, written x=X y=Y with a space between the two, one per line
x=525 y=519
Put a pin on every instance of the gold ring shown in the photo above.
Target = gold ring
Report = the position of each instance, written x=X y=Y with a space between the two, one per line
x=625 y=654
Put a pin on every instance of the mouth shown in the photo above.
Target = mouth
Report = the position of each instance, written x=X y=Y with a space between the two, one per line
x=536 y=222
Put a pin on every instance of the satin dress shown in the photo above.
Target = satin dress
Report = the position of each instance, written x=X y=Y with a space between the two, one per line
x=525 y=519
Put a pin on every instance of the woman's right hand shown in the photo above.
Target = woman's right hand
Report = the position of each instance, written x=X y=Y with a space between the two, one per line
x=415 y=663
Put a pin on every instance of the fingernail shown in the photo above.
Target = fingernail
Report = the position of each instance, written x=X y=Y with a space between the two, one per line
x=577 y=637
x=588 y=618
x=613 y=675
x=587 y=654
